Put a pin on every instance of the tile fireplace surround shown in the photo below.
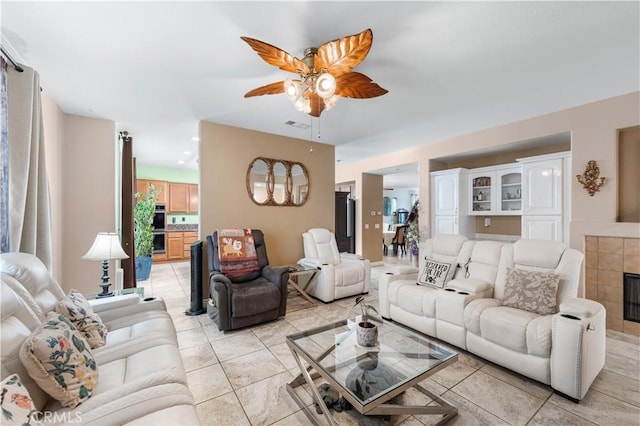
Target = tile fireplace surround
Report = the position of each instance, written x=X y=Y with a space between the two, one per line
x=606 y=260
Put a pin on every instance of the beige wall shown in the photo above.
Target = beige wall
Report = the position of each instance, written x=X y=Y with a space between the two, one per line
x=53 y=126
x=89 y=177
x=225 y=155
x=593 y=130
x=371 y=201
x=81 y=171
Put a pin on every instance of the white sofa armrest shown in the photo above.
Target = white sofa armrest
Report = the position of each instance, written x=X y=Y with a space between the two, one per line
x=115 y=302
x=578 y=346
x=401 y=273
x=148 y=304
x=310 y=262
x=472 y=286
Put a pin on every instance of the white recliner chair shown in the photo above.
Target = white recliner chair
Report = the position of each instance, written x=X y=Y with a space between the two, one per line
x=340 y=274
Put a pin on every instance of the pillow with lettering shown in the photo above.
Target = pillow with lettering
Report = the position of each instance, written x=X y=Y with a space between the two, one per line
x=436 y=274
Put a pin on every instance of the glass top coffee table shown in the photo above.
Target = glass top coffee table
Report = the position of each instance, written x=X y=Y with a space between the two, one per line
x=368 y=377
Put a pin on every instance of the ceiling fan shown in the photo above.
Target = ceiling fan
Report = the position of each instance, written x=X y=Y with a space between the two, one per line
x=325 y=73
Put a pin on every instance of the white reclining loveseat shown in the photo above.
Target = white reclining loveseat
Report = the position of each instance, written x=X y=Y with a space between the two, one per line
x=137 y=376
x=513 y=304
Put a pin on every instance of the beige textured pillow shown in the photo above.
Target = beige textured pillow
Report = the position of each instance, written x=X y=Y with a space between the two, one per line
x=531 y=291
x=78 y=310
x=59 y=360
x=17 y=406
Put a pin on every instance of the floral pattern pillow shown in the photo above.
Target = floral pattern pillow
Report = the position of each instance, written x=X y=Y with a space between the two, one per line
x=531 y=291
x=60 y=361
x=78 y=310
x=17 y=406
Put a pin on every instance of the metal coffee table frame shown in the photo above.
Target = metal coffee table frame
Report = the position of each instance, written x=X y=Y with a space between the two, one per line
x=299 y=272
x=378 y=406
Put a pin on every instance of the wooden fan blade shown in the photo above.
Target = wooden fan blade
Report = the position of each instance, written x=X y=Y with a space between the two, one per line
x=270 y=89
x=342 y=55
x=276 y=56
x=317 y=105
x=357 y=85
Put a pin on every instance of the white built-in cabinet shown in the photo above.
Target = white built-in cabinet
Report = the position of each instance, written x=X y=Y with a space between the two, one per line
x=546 y=197
x=496 y=190
x=449 y=207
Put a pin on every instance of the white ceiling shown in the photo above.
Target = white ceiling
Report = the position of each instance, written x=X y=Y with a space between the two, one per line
x=157 y=68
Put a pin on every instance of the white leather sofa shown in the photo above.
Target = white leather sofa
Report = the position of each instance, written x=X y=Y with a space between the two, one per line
x=564 y=349
x=340 y=274
x=141 y=379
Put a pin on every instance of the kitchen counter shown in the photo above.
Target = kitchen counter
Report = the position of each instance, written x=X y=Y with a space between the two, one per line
x=182 y=227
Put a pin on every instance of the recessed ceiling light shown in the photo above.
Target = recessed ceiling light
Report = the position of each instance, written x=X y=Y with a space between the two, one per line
x=187 y=153
x=181 y=162
x=195 y=138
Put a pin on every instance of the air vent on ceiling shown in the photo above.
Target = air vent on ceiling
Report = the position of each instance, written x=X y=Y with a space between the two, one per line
x=296 y=124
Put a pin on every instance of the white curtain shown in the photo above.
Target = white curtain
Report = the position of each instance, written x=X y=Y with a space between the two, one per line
x=4 y=162
x=29 y=208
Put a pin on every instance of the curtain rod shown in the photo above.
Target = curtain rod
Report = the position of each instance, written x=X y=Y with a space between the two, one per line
x=10 y=58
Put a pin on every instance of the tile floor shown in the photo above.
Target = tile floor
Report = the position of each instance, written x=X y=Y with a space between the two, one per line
x=230 y=390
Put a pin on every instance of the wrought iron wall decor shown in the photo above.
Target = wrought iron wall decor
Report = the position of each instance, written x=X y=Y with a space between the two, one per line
x=590 y=179
x=272 y=182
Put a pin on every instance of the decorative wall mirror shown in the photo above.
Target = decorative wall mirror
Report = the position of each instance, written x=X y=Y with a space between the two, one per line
x=273 y=182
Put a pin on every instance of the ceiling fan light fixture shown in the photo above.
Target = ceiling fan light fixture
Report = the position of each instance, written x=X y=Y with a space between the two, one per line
x=330 y=102
x=325 y=85
x=326 y=73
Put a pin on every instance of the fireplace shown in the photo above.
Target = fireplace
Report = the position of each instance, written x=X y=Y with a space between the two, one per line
x=631 y=294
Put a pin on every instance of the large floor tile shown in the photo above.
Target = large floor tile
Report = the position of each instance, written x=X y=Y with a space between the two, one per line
x=196 y=357
x=223 y=410
x=536 y=389
x=247 y=369
x=208 y=382
x=600 y=409
x=189 y=338
x=268 y=401
x=551 y=414
x=236 y=345
x=503 y=400
x=274 y=333
x=621 y=387
x=468 y=413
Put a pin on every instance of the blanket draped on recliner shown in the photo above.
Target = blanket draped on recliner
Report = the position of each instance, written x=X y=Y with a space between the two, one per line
x=237 y=252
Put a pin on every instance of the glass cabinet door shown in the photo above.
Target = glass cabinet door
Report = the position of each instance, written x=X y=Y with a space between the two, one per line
x=510 y=192
x=481 y=193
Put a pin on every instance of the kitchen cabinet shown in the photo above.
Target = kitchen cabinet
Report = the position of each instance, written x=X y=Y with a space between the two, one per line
x=546 y=196
x=142 y=186
x=183 y=198
x=179 y=244
x=496 y=190
x=188 y=238
x=175 y=246
x=449 y=195
x=193 y=198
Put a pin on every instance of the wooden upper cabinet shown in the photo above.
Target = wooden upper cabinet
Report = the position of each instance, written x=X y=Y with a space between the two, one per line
x=193 y=198
x=142 y=186
x=178 y=197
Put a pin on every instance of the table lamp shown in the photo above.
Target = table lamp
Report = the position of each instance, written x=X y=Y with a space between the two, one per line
x=106 y=247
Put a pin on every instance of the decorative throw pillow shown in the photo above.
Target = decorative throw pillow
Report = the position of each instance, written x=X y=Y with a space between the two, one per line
x=60 y=361
x=77 y=309
x=531 y=291
x=436 y=274
x=17 y=406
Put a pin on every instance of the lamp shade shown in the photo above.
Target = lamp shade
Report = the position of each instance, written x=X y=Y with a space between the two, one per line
x=106 y=247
